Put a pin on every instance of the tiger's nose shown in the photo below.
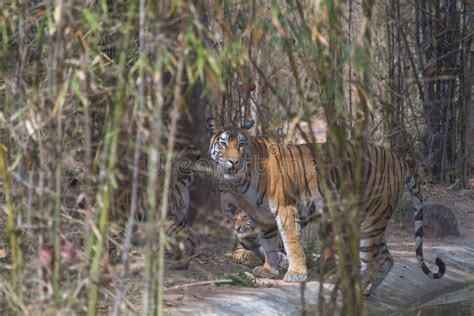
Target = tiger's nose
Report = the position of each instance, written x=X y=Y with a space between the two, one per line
x=233 y=162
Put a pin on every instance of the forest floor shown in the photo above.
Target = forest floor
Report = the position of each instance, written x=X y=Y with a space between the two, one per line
x=205 y=288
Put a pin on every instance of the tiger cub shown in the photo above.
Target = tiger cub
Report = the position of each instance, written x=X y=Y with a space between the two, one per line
x=247 y=249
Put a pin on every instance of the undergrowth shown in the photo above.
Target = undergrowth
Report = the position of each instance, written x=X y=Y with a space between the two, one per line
x=310 y=248
x=403 y=206
x=242 y=279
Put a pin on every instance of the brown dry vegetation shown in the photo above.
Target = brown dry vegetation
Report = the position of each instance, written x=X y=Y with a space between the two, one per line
x=93 y=92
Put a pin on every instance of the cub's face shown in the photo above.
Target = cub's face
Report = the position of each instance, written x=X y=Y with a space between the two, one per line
x=231 y=151
x=242 y=223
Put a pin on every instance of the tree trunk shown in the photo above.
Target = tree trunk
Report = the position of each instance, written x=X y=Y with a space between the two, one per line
x=467 y=90
x=204 y=195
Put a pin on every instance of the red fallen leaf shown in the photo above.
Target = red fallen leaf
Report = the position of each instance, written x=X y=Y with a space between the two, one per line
x=46 y=257
x=68 y=252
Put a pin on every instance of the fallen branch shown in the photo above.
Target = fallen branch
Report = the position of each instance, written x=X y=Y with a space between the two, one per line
x=198 y=283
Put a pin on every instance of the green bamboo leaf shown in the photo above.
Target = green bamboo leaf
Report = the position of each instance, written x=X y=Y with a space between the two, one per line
x=91 y=19
x=18 y=113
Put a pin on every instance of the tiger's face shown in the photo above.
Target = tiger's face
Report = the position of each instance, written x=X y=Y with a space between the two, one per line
x=242 y=223
x=230 y=150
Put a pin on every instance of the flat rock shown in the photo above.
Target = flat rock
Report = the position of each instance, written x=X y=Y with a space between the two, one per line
x=405 y=288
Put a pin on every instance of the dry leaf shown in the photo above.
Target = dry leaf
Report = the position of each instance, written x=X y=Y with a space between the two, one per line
x=68 y=252
x=46 y=257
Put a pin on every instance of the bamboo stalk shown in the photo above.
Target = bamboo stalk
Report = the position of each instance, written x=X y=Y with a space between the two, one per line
x=57 y=111
x=119 y=293
x=153 y=153
x=11 y=225
x=7 y=189
x=153 y=158
x=110 y=147
x=166 y=185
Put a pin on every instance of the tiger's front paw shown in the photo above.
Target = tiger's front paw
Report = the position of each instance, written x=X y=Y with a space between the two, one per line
x=292 y=275
x=265 y=271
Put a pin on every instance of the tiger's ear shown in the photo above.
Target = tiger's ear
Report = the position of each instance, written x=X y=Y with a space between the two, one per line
x=211 y=126
x=247 y=124
x=233 y=209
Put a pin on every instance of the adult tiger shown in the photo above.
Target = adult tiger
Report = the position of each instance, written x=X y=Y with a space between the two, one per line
x=282 y=182
x=181 y=240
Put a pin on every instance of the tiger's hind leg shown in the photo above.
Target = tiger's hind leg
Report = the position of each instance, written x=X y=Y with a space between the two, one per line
x=368 y=254
x=376 y=261
x=246 y=257
x=386 y=262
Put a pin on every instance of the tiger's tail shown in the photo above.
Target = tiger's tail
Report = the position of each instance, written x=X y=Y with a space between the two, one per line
x=417 y=203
